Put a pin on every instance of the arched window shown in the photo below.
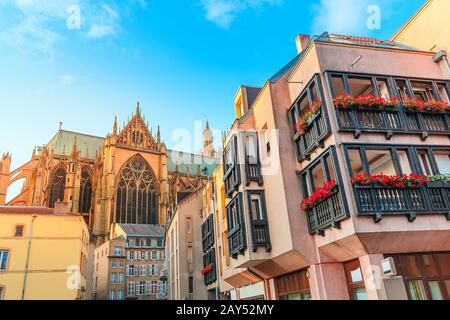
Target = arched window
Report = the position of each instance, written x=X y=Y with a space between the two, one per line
x=136 y=194
x=85 y=192
x=57 y=186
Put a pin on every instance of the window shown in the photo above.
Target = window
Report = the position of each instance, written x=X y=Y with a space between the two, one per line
x=153 y=270
x=317 y=174
x=361 y=86
x=154 y=243
x=136 y=194
x=154 y=255
x=191 y=285
x=154 y=287
x=131 y=289
x=113 y=278
x=130 y=271
x=122 y=263
x=338 y=86
x=423 y=90
x=442 y=158
x=251 y=148
x=57 y=186
x=424 y=161
x=355 y=281
x=112 y=295
x=19 y=231
x=232 y=177
x=402 y=89
x=118 y=252
x=85 y=191
x=443 y=92
x=143 y=270
x=4 y=254
x=294 y=286
x=141 y=288
x=377 y=160
x=426 y=276
x=148 y=288
x=2 y=290
x=121 y=278
x=114 y=264
x=120 y=295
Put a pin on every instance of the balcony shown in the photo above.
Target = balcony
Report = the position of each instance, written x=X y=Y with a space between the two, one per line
x=391 y=122
x=260 y=234
x=312 y=137
x=237 y=241
x=378 y=201
x=208 y=233
x=253 y=172
x=209 y=260
x=325 y=214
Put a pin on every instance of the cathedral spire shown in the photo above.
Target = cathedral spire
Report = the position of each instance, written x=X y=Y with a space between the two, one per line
x=158 y=135
x=138 y=108
x=74 y=147
x=208 y=146
x=115 y=125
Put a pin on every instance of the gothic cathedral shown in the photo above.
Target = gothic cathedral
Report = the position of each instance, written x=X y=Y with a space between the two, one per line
x=129 y=177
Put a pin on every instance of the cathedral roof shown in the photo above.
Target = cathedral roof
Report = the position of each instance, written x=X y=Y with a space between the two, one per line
x=189 y=163
x=61 y=144
x=88 y=145
x=142 y=229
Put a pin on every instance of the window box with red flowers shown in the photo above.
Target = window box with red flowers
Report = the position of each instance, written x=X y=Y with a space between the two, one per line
x=207 y=269
x=319 y=196
x=367 y=102
x=417 y=106
x=395 y=181
x=308 y=117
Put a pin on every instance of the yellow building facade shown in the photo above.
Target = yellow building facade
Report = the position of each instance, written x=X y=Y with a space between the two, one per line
x=43 y=254
x=428 y=29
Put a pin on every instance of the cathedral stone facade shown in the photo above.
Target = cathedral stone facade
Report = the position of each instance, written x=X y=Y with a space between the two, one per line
x=128 y=177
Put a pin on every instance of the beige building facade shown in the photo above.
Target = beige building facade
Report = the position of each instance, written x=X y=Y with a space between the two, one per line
x=131 y=266
x=184 y=252
x=43 y=254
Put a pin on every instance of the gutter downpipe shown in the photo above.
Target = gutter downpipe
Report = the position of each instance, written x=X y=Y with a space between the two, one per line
x=28 y=257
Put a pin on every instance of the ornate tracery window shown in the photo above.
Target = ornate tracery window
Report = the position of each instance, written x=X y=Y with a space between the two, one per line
x=136 y=194
x=85 y=192
x=57 y=186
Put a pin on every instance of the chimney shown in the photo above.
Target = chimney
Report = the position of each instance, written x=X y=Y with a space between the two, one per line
x=302 y=41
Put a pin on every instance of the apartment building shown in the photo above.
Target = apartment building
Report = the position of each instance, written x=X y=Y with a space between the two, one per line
x=335 y=175
x=131 y=266
x=43 y=254
x=185 y=259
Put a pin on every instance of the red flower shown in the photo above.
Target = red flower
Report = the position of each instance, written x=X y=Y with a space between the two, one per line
x=319 y=195
x=302 y=122
x=364 y=102
x=207 y=269
x=417 y=105
x=408 y=180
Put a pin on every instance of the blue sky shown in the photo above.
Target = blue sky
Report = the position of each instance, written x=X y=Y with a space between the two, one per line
x=182 y=59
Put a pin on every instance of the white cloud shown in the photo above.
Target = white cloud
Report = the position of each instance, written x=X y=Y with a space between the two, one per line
x=341 y=16
x=224 y=12
x=67 y=79
x=38 y=25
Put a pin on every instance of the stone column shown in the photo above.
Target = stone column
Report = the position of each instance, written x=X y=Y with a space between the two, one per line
x=373 y=276
x=327 y=281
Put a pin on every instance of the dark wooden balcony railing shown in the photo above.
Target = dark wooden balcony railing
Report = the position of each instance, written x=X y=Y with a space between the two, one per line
x=377 y=201
x=260 y=234
x=390 y=122
x=208 y=233
x=327 y=213
x=210 y=258
x=237 y=241
x=253 y=172
x=313 y=136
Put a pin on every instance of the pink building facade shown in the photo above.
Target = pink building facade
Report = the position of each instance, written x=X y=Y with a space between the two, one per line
x=360 y=128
